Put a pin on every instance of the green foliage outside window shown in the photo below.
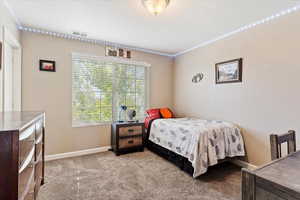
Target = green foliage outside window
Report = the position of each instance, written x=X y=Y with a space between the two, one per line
x=99 y=88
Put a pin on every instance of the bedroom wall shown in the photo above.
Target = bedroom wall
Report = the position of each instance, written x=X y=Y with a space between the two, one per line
x=267 y=101
x=51 y=92
x=7 y=21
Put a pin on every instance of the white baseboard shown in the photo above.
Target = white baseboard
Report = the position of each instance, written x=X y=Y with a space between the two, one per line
x=76 y=153
x=243 y=164
x=237 y=162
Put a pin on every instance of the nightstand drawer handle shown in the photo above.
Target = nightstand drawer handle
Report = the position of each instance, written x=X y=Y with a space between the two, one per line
x=130 y=142
x=130 y=130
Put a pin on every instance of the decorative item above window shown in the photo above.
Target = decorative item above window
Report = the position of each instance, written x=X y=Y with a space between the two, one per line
x=117 y=52
x=155 y=6
x=197 y=78
x=229 y=71
x=47 y=65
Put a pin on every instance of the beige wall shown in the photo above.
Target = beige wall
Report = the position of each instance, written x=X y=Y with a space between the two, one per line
x=7 y=21
x=267 y=101
x=51 y=92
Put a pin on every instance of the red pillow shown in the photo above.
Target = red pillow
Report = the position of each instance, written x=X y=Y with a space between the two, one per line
x=152 y=114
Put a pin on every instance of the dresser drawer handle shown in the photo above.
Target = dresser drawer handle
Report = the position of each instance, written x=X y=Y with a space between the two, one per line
x=130 y=142
x=32 y=164
x=130 y=130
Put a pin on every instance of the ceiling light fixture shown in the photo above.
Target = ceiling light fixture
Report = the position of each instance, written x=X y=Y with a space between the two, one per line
x=155 y=6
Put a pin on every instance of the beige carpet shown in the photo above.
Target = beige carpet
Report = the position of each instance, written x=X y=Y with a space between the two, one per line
x=136 y=176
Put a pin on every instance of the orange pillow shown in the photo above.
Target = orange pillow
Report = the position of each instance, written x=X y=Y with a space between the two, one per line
x=166 y=113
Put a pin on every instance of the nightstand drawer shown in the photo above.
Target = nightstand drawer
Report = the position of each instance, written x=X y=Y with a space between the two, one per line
x=130 y=130
x=130 y=142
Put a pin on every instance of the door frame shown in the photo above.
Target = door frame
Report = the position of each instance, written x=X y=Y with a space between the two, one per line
x=9 y=38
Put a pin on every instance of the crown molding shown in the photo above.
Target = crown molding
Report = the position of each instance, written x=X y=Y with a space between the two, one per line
x=12 y=12
x=102 y=42
x=89 y=40
x=241 y=29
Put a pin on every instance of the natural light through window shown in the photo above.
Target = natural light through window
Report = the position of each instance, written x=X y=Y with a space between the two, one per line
x=101 y=85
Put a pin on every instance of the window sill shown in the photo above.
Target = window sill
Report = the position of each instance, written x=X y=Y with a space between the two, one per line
x=92 y=125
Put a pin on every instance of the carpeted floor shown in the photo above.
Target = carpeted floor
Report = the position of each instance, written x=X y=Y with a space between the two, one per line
x=136 y=176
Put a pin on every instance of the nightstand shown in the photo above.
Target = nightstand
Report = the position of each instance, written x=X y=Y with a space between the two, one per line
x=127 y=137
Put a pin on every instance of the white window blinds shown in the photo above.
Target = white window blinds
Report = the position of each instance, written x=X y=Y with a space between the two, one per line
x=100 y=85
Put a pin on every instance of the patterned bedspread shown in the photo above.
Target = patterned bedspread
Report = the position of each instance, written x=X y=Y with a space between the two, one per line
x=203 y=142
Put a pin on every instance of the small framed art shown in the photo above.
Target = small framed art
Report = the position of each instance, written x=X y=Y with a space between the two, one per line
x=128 y=54
x=47 y=65
x=229 y=71
x=117 y=52
x=111 y=51
x=121 y=52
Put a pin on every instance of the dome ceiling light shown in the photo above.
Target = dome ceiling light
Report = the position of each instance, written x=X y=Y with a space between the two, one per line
x=155 y=6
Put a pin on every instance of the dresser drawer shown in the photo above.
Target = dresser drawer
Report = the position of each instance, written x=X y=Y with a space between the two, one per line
x=131 y=130
x=130 y=142
x=26 y=143
x=38 y=175
x=26 y=182
x=38 y=170
x=26 y=152
x=38 y=148
x=28 y=132
x=39 y=128
x=30 y=196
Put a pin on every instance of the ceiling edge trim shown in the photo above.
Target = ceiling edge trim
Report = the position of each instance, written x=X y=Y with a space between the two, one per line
x=241 y=29
x=102 y=42
x=12 y=13
x=89 y=40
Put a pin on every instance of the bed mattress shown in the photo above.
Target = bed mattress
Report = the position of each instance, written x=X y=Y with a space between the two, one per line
x=202 y=142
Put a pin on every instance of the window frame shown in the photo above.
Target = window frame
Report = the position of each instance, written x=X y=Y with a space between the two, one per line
x=111 y=60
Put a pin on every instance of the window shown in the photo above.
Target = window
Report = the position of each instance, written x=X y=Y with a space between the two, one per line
x=102 y=84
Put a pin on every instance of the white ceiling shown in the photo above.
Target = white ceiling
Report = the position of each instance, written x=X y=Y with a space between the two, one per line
x=183 y=25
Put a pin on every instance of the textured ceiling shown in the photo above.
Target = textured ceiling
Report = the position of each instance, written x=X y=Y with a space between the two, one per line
x=183 y=25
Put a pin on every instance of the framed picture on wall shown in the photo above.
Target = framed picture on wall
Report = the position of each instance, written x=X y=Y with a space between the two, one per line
x=121 y=52
x=128 y=54
x=117 y=52
x=111 y=51
x=47 y=65
x=229 y=71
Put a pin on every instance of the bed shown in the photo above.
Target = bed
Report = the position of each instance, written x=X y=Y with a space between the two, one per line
x=195 y=144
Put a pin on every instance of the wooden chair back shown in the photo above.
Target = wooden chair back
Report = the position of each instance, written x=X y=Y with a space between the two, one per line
x=277 y=140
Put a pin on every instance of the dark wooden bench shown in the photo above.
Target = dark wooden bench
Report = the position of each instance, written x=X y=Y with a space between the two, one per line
x=278 y=180
x=277 y=140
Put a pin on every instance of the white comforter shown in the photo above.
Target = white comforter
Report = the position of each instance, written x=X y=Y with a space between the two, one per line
x=203 y=142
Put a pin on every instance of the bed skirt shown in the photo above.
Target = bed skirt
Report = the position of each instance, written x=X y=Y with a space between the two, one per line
x=180 y=161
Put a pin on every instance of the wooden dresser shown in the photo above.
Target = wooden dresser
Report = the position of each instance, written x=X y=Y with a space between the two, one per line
x=279 y=180
x=22 y=139
x=127 y=137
